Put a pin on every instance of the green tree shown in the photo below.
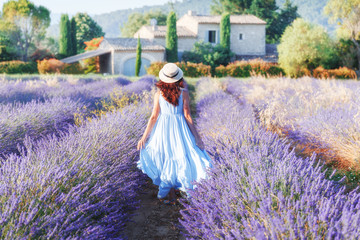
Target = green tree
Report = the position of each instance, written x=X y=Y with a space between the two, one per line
x=267 y=11
x=287 y=15
x=137 y=20
x=230 y=6
x=7 y=51
x=138 y=58
x=225 y=30
x=86 y=29
x=276 y=21
x=171 y=38
x=73 y=43
x=209 y=55
x=65 y=34
x=25 y=25
x=304 y=46
x=347 y=14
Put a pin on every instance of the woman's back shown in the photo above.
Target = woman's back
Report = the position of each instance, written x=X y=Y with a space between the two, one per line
x=168 y=108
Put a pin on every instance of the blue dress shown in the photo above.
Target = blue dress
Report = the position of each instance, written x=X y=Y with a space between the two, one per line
x=171 y=157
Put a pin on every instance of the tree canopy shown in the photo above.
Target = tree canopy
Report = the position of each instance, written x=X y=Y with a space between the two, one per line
x=230 y=6
x=25 y=25
x=137 y=20
x=86 y=29
x=138 y=58
x=225 y=29
x=347 y=14
x=171 y=38
x=315 y=48
x=267 y=10
x=65 y=40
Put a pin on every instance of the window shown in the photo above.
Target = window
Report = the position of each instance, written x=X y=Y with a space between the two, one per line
x=212 y=36
x=240 y=36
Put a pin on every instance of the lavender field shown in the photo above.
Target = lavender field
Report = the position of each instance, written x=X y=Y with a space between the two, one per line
x=62 y=180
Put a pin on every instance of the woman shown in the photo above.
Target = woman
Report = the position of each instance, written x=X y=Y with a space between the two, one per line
x=174 y=155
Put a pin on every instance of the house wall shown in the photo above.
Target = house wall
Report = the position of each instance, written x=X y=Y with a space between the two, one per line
x=188 y=21
x=203 y=34
x=120 y=57
x=144 y=33
x=253 y=42
x=184 y=43
x=105 y=63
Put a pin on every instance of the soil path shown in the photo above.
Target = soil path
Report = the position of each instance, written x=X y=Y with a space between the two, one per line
x=154 y=220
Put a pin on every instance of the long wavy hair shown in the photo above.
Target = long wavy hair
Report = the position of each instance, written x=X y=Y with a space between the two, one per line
x=171 y=91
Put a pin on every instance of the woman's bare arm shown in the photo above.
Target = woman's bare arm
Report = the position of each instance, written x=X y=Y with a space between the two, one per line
x=190 y=121
x=152 y=121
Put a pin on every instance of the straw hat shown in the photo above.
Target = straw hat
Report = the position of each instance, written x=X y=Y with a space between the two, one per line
x=170 y=73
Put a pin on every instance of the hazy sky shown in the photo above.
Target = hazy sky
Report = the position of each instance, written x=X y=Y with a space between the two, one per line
x=91 y=6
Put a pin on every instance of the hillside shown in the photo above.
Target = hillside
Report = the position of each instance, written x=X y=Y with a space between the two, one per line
x=311 y=11
x=111 y=22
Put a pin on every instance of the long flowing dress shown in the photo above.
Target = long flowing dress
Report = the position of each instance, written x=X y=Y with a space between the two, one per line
x=171 y=157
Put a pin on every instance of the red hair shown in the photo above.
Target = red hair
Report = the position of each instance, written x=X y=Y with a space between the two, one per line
x=171 y=91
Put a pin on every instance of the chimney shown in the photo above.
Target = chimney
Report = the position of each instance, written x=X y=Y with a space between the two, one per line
x=153 y=23
x=191 y=13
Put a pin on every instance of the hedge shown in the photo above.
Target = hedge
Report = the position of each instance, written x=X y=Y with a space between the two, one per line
x=248 y=68
x=13 y=67
x=189 y=69
x=56 y=66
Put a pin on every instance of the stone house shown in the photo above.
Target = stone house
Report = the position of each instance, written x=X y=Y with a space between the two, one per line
x=247 y=33
x=117 y=55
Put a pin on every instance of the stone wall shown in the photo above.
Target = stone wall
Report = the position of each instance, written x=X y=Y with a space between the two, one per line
x=120 y=57
x=253 y=39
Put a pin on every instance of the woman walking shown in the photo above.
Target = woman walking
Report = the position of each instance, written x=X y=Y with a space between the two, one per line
x=173 y=156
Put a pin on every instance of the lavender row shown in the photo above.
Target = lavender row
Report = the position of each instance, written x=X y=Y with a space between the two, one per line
x=37 y=119
x=86 y=90
x=80 y=185
x=259 y=188
x=323 y=113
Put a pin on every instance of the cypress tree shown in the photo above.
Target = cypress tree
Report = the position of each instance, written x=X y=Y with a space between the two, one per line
x=225 y=31
x=171 y=38
x=138 y=58
x=64 y=44
x=73 y=37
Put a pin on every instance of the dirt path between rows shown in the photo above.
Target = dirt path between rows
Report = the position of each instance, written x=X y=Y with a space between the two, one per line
x=154 y=220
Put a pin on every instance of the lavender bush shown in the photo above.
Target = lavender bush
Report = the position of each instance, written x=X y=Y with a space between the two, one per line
x=80 y=185
x=324 y=113
x=55 y=112
x=34 y=119
x=259 y=188
x=87 y=90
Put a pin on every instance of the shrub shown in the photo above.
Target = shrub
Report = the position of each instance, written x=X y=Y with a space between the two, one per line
x=12 y=67
x=340 y=73
x=189 y=69
x=41 y=54
x=248 y=68
x=313 y=48
x=56 y=66
x=208 y=54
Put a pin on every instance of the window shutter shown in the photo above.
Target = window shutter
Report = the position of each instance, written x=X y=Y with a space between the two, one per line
x=206 y=39
x=217 y=36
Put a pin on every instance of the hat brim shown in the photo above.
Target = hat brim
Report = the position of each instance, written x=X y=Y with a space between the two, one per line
x=171 y=80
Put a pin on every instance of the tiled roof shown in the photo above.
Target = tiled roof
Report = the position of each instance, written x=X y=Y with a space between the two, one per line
x=234 y=19
x=126 y=44
x=85 y=55
x=181 y=31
